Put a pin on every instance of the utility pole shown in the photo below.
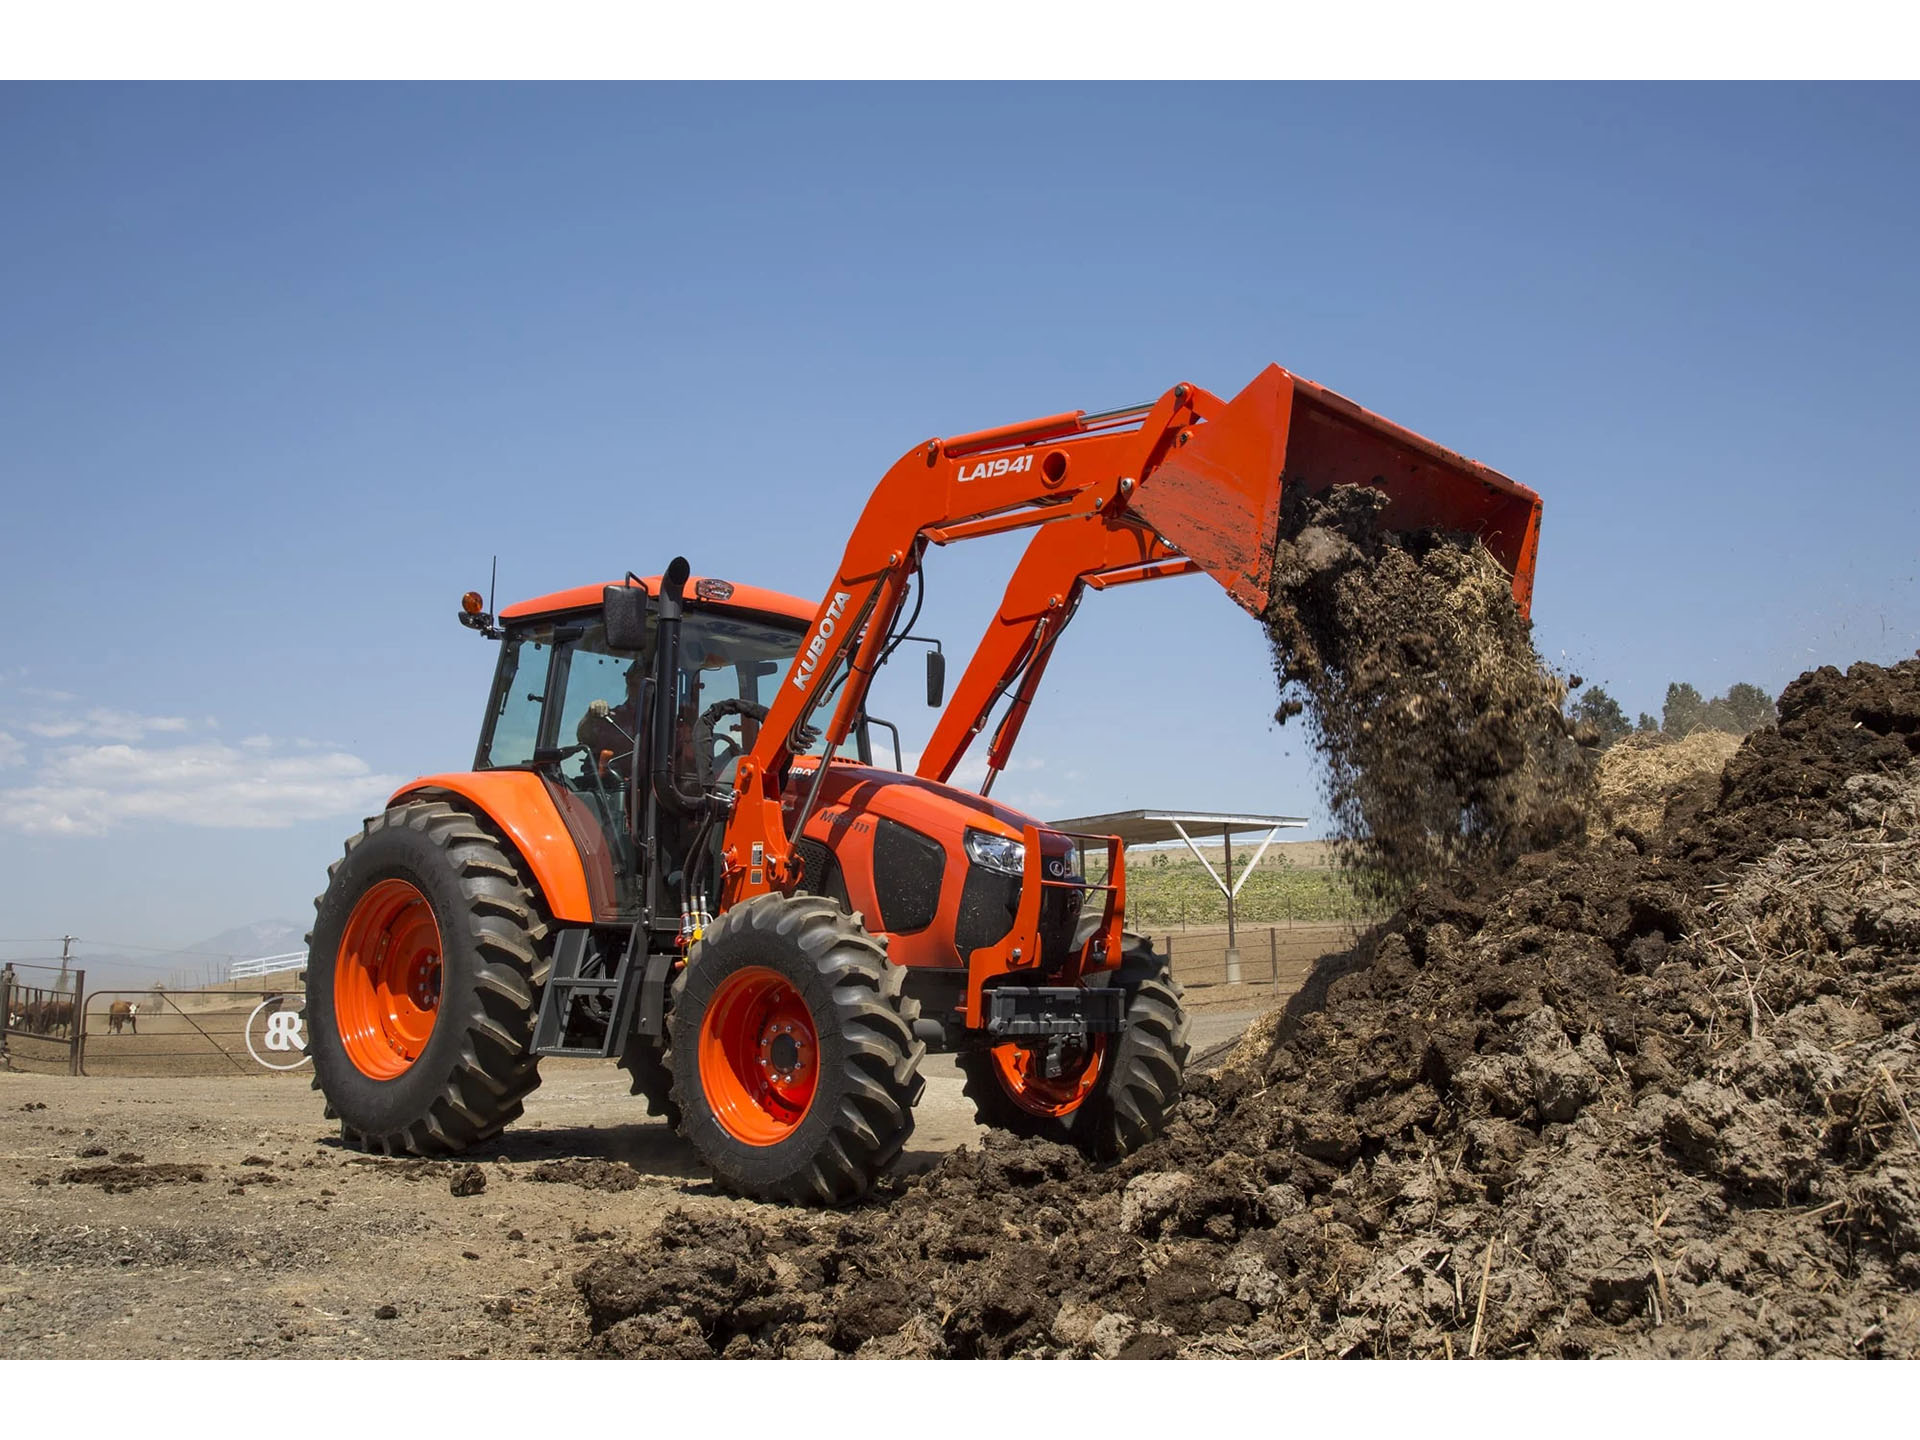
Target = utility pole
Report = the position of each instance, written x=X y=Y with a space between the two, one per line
x=66 y=953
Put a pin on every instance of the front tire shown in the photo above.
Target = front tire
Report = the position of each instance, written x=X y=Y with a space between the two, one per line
x=794 y=1062
x=420 y=997
x=1112 y=1097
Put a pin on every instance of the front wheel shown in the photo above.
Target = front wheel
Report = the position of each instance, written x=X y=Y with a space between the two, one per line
x=795 y=1069
x=1107 y=1095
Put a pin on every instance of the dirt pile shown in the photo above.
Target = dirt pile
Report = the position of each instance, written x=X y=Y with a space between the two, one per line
x=1636 y=1096
x=1440 y=728
x=123 y=1178
x=1639 y=775
x=588 y=1174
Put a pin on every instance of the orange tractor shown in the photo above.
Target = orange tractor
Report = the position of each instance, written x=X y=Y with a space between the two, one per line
x=675 y=847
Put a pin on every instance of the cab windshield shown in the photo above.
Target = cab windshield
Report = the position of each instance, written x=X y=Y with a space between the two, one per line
x=552 y=671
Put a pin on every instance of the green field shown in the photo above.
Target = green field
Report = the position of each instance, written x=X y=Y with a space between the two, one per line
x=1164 y=891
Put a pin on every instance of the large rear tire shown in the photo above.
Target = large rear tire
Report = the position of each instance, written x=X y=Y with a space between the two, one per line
x=794 y=1062
x=1111 y=1097
x=420 y=999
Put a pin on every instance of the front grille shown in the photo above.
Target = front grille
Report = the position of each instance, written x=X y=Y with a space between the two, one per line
x=1059 y=916
x=820 y=871
x=989 y=902
x=907 y=870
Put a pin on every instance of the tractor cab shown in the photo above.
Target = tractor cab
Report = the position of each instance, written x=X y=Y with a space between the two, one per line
x=573 y=708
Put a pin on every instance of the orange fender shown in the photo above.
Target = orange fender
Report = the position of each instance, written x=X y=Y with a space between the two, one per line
x=518 y=804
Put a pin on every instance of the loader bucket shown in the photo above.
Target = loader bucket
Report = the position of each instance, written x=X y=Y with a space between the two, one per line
x=1217 y=497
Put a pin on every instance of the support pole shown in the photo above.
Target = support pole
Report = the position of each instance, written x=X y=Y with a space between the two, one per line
x=1233 y=943
x=77 y=1035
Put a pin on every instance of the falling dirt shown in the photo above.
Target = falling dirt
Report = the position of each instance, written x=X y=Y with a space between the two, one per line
x=1643 y=1094
x=1440 y=730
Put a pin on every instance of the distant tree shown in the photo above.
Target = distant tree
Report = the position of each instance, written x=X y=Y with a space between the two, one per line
x=1602 y=713
x=1647 y=725
x=1718 y=715
x=1742 y=710
x=1683 y=712
x=1750 y=707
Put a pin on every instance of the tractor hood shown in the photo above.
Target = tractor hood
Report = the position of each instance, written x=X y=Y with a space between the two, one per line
x=924 y=805
x=893 y=848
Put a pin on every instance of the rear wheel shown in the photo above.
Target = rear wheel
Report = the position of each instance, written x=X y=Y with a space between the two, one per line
x=792 y=1050
x=420 y=998
x=1109 y=1095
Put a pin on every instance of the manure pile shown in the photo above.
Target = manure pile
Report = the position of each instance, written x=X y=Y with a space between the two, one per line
x=1640 y=1095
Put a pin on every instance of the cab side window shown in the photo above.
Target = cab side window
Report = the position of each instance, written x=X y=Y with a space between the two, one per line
x=519 y=691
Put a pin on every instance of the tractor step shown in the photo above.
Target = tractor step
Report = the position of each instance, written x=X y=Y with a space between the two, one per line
x=571 y=1002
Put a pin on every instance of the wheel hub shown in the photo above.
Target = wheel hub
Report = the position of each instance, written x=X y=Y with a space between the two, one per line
x=785 y=1051
x=1051 y=1081
x=759 y=1056
x=386 y=979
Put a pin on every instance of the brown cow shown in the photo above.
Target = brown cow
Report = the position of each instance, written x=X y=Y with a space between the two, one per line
x=123 y=1014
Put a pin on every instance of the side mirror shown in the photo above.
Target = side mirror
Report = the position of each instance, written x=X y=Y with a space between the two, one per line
x=936 y=677
x=625 y=610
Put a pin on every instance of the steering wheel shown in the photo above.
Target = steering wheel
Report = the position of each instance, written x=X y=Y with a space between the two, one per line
x=706 y=738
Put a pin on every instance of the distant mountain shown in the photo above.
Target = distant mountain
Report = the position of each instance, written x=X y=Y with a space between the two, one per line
x=248 y=942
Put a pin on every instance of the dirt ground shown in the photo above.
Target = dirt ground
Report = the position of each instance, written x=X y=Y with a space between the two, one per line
x=217 y=1216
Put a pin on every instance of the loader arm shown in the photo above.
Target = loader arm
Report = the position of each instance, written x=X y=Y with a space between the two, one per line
x=1188 y=482
x=1059 y=563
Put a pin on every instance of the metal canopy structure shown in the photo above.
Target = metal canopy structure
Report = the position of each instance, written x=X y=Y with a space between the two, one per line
x=1151 y=827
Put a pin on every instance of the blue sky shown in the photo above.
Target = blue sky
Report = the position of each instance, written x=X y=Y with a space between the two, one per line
x=282 y=367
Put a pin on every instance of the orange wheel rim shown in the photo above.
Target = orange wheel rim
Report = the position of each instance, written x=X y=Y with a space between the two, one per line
x=759 y=1056
x=1022 y=1073
x=386 y=980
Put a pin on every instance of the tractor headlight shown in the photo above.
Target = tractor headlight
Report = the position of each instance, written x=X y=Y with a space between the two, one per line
x=996 y=852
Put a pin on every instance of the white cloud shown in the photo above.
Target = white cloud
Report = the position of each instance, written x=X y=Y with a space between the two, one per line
x=90 y=789
x=100 y=723
x=12 y=751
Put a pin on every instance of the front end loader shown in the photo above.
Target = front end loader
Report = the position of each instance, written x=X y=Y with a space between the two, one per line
x=675 y=848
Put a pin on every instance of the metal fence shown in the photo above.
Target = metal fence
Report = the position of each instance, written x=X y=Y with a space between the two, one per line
x=228 y=1031
x=1274 y=958
x=266 y=965
x=42 y=1023
x=149 y=1032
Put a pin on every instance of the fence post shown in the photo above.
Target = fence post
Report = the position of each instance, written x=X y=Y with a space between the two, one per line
x=1169 y=952
x=76 y=1059
x=1273 y=957
x=6 y=1011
